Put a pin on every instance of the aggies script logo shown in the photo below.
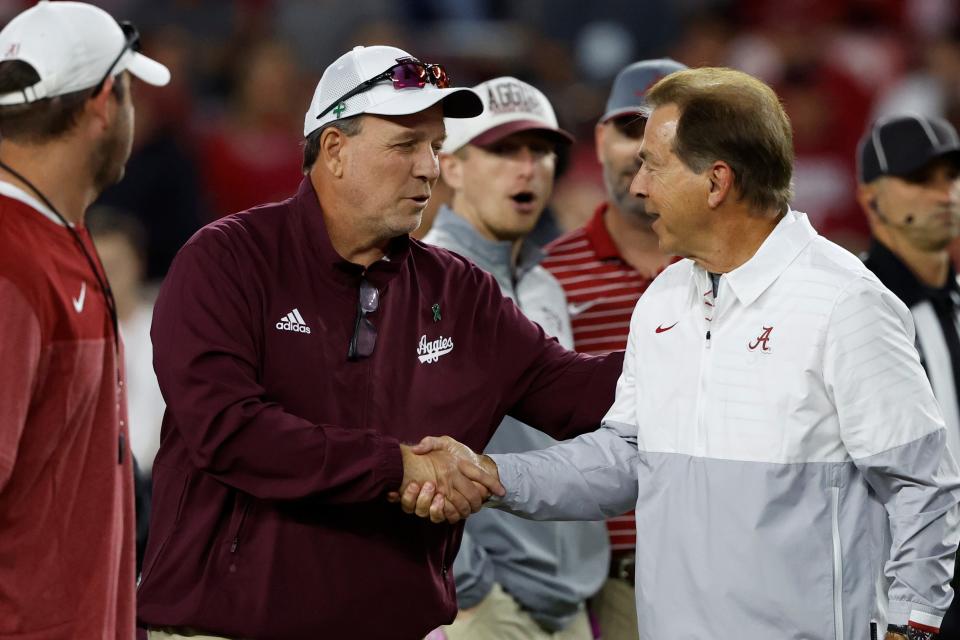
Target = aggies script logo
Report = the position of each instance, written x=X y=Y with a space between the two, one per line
x=762 y=341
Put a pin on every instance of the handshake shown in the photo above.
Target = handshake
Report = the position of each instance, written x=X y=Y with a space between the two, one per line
x=445 y=480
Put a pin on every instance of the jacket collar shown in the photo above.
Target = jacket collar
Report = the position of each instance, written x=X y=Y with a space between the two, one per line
x=309 y=219
x=490 y=255
x=897 y=276
x=748 y=281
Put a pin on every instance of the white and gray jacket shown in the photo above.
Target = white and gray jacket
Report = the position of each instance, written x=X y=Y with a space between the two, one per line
x=783 y=449
x=550 y=568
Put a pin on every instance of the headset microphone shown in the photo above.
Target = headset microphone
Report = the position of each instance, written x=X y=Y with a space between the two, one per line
x=907 y=221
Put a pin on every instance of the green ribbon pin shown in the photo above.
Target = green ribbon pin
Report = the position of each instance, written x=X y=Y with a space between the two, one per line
x=339 y=109
x=436 y=312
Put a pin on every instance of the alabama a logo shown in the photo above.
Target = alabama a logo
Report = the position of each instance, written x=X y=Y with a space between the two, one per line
x=429 y=351
x=762 y=341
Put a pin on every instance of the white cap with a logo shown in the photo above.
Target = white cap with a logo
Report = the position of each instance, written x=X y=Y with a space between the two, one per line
x=364 y=63
x=509 y=106
x=71 y=45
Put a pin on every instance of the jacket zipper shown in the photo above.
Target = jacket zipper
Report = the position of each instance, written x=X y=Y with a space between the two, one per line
x=236 y=533
x=837 y=562
x=705 y=370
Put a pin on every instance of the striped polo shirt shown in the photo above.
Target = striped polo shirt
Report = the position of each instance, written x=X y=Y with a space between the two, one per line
x=602 y=290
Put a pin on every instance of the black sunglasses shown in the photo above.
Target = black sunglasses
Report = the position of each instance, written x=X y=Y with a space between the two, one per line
x=364 y=333
x=407 y=73
x=131 y=41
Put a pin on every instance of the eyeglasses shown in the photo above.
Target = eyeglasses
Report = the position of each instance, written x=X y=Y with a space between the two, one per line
x=131 y=41
x=407 y=73
x=632 y=125
x=364 y=333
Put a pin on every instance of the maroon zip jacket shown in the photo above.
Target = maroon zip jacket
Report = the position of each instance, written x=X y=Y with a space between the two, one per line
x=269 y=513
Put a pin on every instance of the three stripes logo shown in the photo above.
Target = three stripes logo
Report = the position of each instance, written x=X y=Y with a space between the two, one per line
x=293 y=321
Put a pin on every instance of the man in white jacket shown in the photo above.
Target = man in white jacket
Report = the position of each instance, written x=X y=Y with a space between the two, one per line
x=772 y=424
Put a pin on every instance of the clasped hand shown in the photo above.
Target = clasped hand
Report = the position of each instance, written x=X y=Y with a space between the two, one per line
x=445 y=480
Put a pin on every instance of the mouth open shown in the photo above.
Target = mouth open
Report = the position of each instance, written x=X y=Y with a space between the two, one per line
x=524 y=197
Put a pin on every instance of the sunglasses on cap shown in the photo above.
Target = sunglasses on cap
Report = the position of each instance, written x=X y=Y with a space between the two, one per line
x=131 y=42
x=407 y=73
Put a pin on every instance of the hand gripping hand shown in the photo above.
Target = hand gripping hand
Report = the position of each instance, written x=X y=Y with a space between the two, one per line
x=445 y=480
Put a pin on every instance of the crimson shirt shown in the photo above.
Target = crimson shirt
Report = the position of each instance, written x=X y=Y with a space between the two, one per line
x=66 y=483
x=269 y=515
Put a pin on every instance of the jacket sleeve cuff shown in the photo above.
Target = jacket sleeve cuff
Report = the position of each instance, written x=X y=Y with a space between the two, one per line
x=511 y=479
x=920 y=616
x=389 y=470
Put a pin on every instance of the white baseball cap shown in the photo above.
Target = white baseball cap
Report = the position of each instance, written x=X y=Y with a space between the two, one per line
x=72 y=46
x=509 y=106
x=361 y=64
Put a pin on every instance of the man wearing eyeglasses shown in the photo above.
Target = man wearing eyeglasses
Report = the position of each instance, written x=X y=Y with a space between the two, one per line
x=299 y=346
x=67 y=528
x=515 y=578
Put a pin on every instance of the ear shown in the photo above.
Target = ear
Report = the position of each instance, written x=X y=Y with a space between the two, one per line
x=599 y=131
x=451 y=170
x=720 y=176
x=102 y=108
x=867 y=199
x=332 y=151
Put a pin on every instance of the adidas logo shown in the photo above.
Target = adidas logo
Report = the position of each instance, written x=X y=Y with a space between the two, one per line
x=293 y=321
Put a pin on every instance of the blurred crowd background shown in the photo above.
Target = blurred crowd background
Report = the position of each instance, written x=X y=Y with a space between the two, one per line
x=226 y=134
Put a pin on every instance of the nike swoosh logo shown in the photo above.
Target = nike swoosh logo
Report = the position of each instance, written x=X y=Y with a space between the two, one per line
x=662 y=328
x=576 y=309
x=78 y=302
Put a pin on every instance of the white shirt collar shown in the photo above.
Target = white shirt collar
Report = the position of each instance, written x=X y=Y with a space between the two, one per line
x=16 y=193
x=779 y=249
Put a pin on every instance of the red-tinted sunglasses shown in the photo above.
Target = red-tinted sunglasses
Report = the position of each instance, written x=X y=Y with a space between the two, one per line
x=406 y=74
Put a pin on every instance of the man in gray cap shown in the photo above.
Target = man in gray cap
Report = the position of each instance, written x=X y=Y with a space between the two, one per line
x=604 y=267
x=908 y=170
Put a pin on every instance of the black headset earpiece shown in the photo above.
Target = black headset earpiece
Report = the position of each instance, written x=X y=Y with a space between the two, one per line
x=876 y=210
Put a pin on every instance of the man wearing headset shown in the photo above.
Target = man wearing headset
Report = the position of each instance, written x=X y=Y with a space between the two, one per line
x=908 y=170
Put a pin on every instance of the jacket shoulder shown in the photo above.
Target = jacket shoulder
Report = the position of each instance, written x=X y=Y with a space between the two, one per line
x=828 y=267
x=24 y=255
x=247 y=228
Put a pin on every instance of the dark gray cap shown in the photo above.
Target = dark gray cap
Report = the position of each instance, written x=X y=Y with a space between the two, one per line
x=628 y=95
x=900 y=145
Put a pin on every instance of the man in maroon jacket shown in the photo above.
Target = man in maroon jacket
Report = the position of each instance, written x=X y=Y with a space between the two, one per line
x=298 y=346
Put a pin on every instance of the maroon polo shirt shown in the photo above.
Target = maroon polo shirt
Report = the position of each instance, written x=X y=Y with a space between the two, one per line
x=269 y=516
